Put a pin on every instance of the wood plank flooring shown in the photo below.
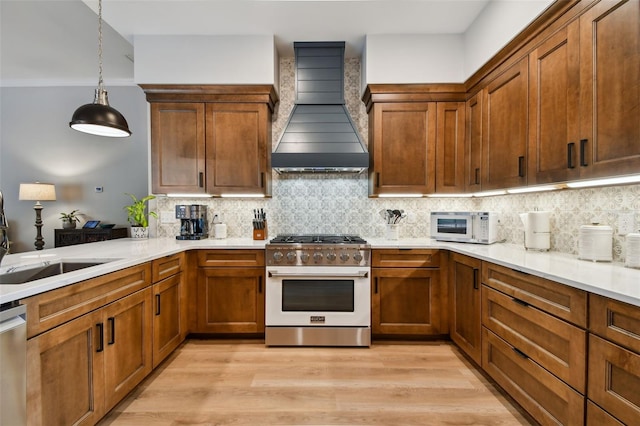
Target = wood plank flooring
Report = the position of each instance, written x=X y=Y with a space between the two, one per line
x=213 y=382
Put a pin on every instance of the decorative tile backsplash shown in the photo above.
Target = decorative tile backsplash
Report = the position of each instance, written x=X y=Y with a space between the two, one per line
x=330 y=203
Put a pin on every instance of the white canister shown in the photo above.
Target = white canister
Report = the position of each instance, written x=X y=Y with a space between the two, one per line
x=595 y=243
x=632 y=258
x=392 y=231
x=219 y=230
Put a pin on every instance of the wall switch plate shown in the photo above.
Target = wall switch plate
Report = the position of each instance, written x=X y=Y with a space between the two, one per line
x=167 y=216
x=626 y=223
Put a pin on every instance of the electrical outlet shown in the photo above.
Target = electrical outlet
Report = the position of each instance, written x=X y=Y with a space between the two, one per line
x=626 y=223
x=167 y=216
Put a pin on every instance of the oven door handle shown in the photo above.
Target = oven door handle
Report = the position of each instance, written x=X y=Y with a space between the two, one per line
x=359 y=274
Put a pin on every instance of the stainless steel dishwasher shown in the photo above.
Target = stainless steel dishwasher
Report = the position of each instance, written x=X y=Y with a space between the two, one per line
x=13 y=364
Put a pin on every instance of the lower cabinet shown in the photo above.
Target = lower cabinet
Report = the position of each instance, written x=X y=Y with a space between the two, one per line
x=168 y=321
x=407 y=295
x=230 y=292
x=79 y=370
x=465 y=301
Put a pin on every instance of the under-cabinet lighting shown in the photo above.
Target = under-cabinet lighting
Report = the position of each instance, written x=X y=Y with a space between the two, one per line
x=242 y=195
x=526 y=189
x=189 y=195
x=604 y=182
x=450 y=195
x=489 y=193
x=400 y=195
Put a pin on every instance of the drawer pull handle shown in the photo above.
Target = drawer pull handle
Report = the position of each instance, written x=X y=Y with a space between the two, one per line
x=100 y=347
x=157 y=304
x=570 y=148
x=477 y=178
x=583 y=148
x=520 y=353
x=521 y=166
x=476 y=284
x=201 y=180
x=376 y=286
x=112 y=324
x=260 y=285
x=520 y=302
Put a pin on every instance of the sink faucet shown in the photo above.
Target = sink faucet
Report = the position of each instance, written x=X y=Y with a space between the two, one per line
x=4 y=240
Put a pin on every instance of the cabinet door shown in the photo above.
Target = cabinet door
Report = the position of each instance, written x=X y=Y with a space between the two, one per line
x=406 y=301
x=230 y=300
x=450 y=143
x=177 y=148
x=464 y=287
x=473 y=146
x=127 y=342
x=504 y=133
x=610 y=93
x=403 y=148
x=168 y=327
x=65 y=375
x=238 y=149
x=553 y=108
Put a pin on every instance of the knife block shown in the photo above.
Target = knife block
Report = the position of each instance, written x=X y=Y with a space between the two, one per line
x=260 y=234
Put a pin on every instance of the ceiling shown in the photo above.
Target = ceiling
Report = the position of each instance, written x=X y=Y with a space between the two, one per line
x=56 y=41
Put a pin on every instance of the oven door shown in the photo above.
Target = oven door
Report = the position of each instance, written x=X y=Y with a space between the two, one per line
x=318 y=296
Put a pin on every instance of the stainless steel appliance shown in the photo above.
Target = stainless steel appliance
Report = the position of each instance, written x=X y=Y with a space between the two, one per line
x=318 y=291
x=13 y=364
x=465 y=227
x=193 y=222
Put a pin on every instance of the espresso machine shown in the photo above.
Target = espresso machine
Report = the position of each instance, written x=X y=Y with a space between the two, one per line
x=193 y=222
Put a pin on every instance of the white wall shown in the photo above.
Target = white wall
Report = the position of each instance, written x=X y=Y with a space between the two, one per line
x=498 y=23
x=38 y=145
x=165 y=59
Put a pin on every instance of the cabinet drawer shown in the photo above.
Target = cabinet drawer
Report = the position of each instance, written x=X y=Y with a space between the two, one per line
x=165 y=267
x=614 y=379
x=548 y=399
x=557 y=299
x=615 y=321
x=50 y=309
x=554 y=344
x=596 y=416
x=405 y=258
x=216 y=258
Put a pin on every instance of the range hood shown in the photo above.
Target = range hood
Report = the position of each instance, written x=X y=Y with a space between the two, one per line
x=320 y=136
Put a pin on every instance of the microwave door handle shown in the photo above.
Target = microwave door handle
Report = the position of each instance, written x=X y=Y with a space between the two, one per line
x=359 y=274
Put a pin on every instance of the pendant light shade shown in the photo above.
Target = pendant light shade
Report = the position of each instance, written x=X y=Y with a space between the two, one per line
x=99 y=118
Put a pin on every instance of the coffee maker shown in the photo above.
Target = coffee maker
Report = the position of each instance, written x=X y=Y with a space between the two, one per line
x=193 y=222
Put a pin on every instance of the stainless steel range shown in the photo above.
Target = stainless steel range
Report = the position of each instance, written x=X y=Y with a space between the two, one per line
x=318 y=291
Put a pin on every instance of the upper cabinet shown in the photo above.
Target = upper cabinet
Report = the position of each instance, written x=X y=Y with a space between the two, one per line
x=211 y=139
x=473 y=143
x=584 y=97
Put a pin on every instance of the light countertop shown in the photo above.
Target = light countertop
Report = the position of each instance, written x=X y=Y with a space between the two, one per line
x=607 y=279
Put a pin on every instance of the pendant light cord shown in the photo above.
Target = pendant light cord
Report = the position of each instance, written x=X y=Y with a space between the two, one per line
x=100 y=82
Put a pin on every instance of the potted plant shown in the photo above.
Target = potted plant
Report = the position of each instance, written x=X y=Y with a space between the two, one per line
x=69 y=220
x=138 y=216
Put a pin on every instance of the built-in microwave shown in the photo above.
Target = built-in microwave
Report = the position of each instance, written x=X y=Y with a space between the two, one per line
x=465 y=227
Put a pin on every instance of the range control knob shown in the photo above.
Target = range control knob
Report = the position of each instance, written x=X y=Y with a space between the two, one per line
x=357 y=257
x=331 y=256
x=304 y=257
x=344 y=256
x=317 y=257
x=291 y=256
x=277 y=256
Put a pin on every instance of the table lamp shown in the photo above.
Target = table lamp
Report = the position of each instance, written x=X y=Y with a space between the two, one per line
x=38 y=192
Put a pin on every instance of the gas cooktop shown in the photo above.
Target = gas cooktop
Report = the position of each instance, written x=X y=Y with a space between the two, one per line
x=317 y=239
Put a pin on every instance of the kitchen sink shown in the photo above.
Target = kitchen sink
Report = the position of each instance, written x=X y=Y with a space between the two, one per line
x=45 y=270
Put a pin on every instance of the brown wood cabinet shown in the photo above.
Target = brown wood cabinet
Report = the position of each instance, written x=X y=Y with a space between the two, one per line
x=473 y=146
x=211 y=139
x=450 y=147
x=465 y=308
x=407 y=300
x=504 y=129
x=402 y=138
x=79 y=370
x=230 y=292
x=169 y=312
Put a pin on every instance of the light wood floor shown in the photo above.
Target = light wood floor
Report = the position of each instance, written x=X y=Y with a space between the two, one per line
x=209 y=382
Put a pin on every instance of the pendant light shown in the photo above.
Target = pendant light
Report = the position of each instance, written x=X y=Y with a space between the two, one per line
x=99 y=118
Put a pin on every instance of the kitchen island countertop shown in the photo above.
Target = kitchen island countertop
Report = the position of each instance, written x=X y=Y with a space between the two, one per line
x=607 y=279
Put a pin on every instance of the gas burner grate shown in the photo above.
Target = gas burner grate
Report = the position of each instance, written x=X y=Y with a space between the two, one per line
x=317 y=239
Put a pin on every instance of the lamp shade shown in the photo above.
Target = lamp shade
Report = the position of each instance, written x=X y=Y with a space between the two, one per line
x=100 y=119
x=37 y=192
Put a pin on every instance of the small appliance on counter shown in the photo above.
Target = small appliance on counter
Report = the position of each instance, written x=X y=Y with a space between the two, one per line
x=193 y=222
x=537 y=230
x=595 y=242
x=465 y=227
x=632 y=257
